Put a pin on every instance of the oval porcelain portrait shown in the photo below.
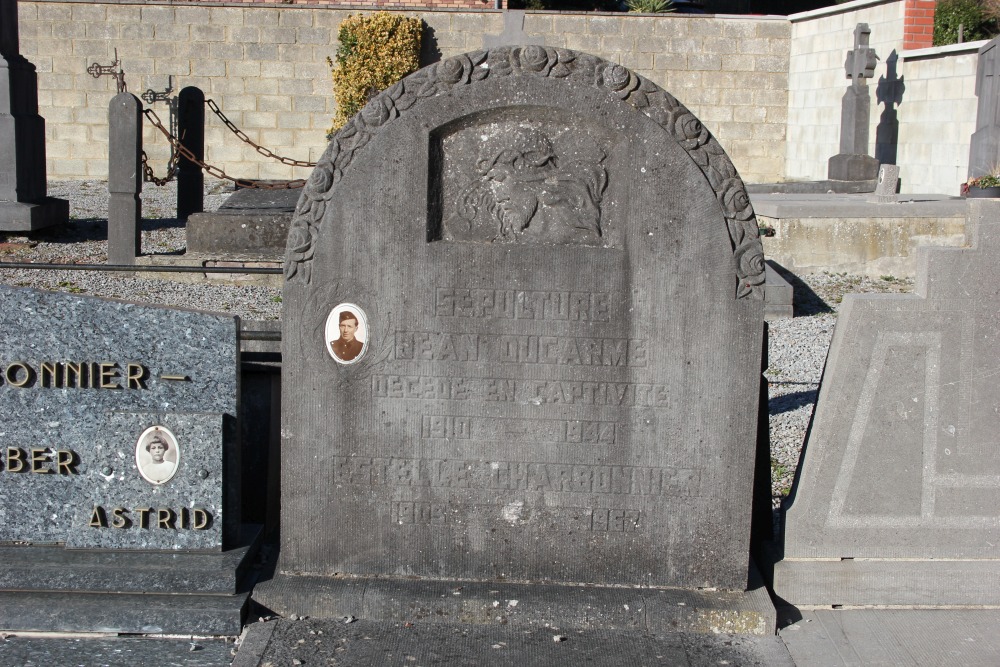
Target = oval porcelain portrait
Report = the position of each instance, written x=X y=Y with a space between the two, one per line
x=346 y=333
x=157 y=454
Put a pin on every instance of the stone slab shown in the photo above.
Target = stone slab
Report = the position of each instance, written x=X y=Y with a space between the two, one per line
x=486 y=205
x=115 y=651
x=852 y=167
x=238 y=232
x=250 y=221
x=368 y=643
x=813 y=187
x=476 y=603
x=779 y=297
x=902 y=638
x=259 y=200
x=87 y=385
x=28 y=217
x=901 y=460
x=873 y=581
x=254 y=261
x=813 y=205
x=31 y=568
x=199 y=615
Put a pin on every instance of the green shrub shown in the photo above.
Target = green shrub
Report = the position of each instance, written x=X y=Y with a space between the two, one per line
x=950 y=14
x=651 y=6
x=375 y=51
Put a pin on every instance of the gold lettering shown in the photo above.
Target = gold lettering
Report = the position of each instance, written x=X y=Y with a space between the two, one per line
x=11 y=374
x=201 y=519
x=184 y=517
x=65 y=462
x=120 y=518
x=144 y=516
x=39 y=458
x=16 y=460
x=93 y=374
x=77 y=374
x=50 y=374
x=109 y=371
x=98 y=519
x=165 y=518
x=136 y=376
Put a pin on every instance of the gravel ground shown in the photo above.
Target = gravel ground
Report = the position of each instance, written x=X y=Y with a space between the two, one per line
x=796 y=352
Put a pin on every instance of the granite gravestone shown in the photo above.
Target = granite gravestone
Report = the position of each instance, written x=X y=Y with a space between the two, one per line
x=984 y=148
x=522 y=335
x=898 y=493
x=119 y=467
x=24 y=205
x=853 y=163
x=92 y=390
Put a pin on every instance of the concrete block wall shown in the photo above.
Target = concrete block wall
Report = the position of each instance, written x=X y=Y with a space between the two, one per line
x=265 y=66
x=937 y=117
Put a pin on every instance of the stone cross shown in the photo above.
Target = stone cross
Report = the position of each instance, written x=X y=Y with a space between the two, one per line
x=853 y=163
x=861 y=60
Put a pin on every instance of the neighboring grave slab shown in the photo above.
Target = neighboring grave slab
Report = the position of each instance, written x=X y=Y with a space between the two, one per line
x=250 y=222
x=522 y=335
x=119 y=443
x=77 y=463
x=984 y=147
x=898 y=494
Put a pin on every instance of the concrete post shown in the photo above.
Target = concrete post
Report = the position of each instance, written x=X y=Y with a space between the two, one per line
x=191 y=133
x=124 y=178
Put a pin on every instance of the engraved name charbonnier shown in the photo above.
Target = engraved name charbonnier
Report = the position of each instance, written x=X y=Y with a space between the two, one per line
x=74 y=375
x=517 y=476
x=558 y=350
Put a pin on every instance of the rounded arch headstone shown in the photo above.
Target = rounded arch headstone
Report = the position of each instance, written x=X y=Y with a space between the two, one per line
x=560 y=282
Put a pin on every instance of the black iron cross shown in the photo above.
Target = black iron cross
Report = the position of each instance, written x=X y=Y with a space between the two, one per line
x=97 y=71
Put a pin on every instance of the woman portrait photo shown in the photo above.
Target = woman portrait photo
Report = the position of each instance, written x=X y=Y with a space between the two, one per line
x=157 y=454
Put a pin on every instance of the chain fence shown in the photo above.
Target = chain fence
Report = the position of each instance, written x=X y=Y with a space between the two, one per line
x=178 y=149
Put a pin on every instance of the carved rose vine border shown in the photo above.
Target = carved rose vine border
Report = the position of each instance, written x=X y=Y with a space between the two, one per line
x=468 y=68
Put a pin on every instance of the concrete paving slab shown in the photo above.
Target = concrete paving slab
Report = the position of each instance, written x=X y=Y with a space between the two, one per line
x=314 y=642
x=896 y=637
x=32 y=651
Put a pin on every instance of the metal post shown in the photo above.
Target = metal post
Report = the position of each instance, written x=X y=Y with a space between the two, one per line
x=124 y=178
x=191 y=133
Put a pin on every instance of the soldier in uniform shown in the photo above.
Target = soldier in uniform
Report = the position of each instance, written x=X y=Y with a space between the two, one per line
x=347 y=347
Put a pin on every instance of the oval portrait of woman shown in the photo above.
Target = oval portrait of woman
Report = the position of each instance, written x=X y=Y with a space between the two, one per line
x=157 y=454
x=346 y=333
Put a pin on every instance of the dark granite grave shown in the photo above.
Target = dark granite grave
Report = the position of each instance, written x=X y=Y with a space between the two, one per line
x=522 y=338
x=120 y=464
x=24 y=204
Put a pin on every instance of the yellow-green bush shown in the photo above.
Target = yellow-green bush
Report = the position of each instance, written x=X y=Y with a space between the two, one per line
x=375 y=51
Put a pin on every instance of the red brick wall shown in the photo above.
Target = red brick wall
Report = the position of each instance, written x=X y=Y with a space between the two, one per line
x=918 y=24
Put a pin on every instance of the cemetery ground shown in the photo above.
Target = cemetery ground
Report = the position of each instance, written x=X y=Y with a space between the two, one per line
x=796 y=352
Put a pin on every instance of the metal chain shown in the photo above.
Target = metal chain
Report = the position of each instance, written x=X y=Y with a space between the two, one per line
x=260 y=149
x=150 y=177
x=181 y=149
